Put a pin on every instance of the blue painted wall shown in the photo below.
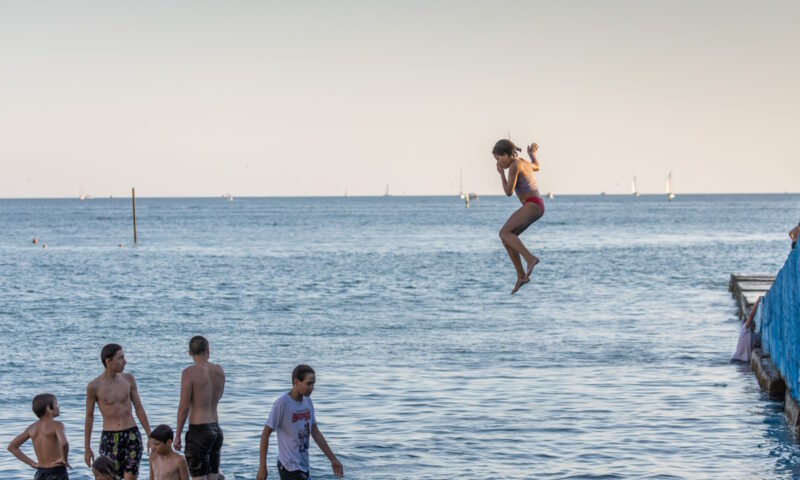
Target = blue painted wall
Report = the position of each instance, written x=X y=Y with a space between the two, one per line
x=778 y=321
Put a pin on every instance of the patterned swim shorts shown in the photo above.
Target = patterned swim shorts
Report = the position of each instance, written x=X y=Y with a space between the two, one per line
x=124 y=448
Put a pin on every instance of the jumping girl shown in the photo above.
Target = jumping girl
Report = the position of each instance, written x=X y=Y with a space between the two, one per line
x=520 y=180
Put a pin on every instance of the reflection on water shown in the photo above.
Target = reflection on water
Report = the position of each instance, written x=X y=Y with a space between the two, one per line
x=611 y=363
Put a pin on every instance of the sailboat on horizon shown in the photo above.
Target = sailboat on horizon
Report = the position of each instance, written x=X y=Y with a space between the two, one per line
x=670 y=194
x=634 y=188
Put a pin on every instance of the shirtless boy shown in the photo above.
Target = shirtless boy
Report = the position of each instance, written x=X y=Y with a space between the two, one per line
x=49 y=441
x=165 y=463
x=202 y=385
x=114 y=392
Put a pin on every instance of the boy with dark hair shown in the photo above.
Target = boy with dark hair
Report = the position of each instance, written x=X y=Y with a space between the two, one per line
x=165 y=463
x=202 y=385
x=49 y=441
x=292 y=416
x=115 y=392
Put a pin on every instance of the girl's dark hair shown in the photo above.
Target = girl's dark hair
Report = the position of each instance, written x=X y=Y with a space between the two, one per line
x=41 y=402
x=299 y=373
x=506 y=147
x=108 y=352
x=105 y=466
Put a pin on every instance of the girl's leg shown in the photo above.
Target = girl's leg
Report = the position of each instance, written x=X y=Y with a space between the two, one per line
x=524 y=216
x=515 y=259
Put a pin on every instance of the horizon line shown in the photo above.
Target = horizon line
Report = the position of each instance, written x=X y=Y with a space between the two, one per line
x=594 y=194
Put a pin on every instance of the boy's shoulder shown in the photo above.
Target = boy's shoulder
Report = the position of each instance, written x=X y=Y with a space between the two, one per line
x=44 y=426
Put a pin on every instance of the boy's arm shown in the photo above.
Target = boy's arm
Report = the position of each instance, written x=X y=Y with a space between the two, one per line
x=338 y=470
x=262 y=454
x=183 y=469
x=183 y=408
x=91 y=398
x=137 y=406
x=62 y=439
x=13 y=447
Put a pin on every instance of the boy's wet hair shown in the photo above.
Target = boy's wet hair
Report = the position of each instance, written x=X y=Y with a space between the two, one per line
x=41 y=402
x=299 y=373
x=198 y=345
x=108 y=352
x=505 y=146
x=162 y=433
x=105 y=466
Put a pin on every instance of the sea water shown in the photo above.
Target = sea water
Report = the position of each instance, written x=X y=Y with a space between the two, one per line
x=612 y=363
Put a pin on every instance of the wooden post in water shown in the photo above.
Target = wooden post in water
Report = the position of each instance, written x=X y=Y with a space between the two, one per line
x=133 y=197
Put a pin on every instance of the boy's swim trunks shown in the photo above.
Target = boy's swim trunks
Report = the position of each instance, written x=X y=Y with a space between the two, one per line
x=203 y=445
x=54 y=473
x=124 y=448
x=293 y=475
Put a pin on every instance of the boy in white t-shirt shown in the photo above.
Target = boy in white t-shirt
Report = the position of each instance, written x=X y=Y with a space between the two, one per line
x=292 y=416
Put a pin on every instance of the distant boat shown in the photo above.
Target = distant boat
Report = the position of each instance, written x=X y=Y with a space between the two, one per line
x=345 y=193
x=603 y=194
x=550 y=195
x=228 y=197
x=386 y=194
x=634 y=189
x=82 y=195
x=670 y=194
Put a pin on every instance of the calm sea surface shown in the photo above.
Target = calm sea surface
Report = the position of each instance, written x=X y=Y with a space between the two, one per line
x=611 y=363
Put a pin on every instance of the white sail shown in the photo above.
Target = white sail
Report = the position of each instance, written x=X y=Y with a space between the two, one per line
x=670 y=195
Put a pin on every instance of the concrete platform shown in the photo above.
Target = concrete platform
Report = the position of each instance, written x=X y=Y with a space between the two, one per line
x=767 y=374
x=746 y=288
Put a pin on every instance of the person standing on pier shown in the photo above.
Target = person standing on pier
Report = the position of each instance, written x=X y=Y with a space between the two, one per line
x=114 y=392
x=202 y=385
x=793 y=234
x=522 y=181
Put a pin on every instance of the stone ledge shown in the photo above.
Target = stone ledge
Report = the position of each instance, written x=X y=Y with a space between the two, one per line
x=792 y=411
x=767 y=374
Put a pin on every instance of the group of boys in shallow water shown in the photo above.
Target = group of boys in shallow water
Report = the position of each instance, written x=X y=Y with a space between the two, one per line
x=202 y=385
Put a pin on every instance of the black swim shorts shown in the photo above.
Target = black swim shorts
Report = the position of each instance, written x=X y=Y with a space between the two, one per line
x=203 y=445
x=54 y=473
x=291 y=475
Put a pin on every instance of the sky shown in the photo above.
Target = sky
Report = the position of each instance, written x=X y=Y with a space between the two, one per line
x=258 y=98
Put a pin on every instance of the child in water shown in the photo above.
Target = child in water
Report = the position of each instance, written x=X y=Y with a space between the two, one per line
x=49 y=441
x=520 y=180
x=103 y=469
x=165 y=463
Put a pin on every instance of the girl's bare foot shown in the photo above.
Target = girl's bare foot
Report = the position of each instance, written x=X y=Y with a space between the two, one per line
x=520 y=283
x=531 y=264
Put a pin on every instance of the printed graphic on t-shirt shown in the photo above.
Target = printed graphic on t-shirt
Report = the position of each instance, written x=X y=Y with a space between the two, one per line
x=303 y=435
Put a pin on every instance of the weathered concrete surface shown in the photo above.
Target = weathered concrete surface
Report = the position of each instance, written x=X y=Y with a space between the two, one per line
x=792 y=411
x=767 y=374
x=747 y=288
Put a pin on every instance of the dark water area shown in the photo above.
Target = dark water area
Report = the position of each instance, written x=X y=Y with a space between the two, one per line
x=612 y=363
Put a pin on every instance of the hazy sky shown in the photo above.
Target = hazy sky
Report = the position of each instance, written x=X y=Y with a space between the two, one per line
x=201 y=98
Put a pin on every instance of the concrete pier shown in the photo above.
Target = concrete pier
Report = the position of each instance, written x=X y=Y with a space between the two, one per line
x=767 y=374
x=747 y=288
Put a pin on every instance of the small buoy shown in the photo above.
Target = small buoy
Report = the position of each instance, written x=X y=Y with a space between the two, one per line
x=121 y=245
x=44 y=245
x=35 y=240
